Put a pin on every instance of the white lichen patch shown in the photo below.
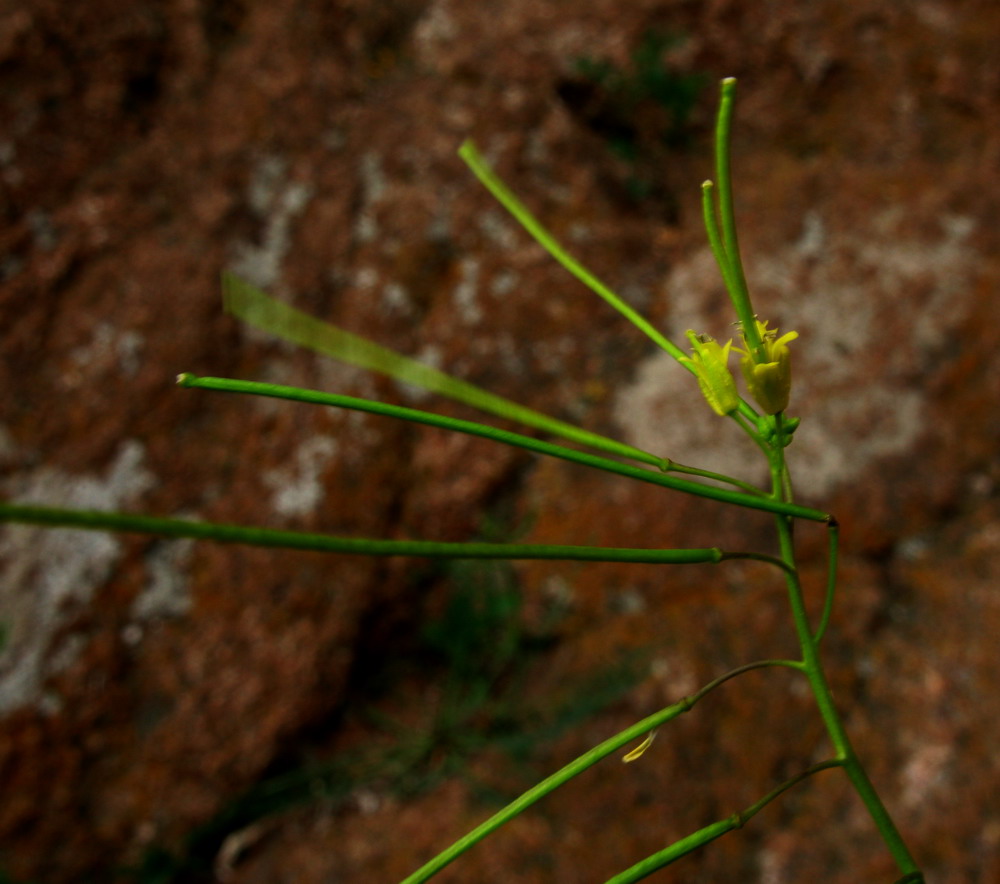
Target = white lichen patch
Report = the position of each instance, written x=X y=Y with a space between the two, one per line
x=110 y=348
x=297 y=488
x=852 y=386
x=498 y=230
x=373 y=185
x=925 y=775
x=775 y=858
x=48 y=576
x=397 y=299
x=466 y=293
x=366 y=278
x=504 y=282
x=434 y=34
x=675 y=676
x=276 y=202
x=167 y=590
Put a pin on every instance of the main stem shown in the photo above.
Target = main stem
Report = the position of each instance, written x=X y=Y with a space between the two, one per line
x=821 y=689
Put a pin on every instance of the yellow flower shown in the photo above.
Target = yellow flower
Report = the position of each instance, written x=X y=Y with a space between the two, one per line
x=769 y=380
x=709 y=361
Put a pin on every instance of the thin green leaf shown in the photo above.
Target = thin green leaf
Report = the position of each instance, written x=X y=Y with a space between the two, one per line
x=253 y=306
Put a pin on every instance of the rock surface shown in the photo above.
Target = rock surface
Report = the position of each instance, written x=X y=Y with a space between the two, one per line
x=187 y=712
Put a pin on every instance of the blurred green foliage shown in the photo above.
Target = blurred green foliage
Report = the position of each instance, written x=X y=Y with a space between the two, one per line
x=642 y=111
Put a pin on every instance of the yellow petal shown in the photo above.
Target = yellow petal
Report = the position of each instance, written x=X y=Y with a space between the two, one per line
x=638 y=751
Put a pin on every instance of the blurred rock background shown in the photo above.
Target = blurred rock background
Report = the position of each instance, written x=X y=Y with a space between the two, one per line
x=178 y=712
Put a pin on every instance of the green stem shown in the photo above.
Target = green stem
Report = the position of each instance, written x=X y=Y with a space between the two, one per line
x=708 y=213
x=674 y=467
x=833 y=535
x=821 y=689
x=675 y=851
x=512 y=204
x=576 y=767
x=749 y=426
x=766 y=504
x=93 y=520
x=709 y=833
x=755 y=557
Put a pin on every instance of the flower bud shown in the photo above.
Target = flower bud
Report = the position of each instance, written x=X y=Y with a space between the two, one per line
x=769 y=380
x=709 y=361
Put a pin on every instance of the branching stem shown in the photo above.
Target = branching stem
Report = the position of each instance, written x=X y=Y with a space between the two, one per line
x=709 y=833
x=578 y=766
x=816 y=675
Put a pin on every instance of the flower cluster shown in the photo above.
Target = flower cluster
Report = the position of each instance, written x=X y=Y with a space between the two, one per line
x=768 y=376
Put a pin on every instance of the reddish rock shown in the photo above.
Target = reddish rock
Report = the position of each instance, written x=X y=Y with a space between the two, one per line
x=146 y=685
